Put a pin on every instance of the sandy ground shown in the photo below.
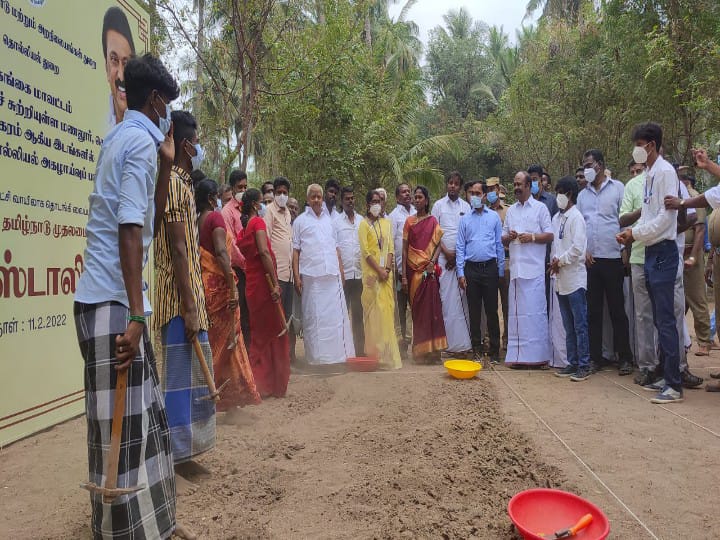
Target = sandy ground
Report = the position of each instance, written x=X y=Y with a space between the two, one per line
x=413 y=454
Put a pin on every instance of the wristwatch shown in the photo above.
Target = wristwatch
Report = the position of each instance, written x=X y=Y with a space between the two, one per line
x=533 y=237
x=682 y=202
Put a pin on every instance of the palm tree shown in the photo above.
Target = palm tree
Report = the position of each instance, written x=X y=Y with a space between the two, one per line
x=555 y=9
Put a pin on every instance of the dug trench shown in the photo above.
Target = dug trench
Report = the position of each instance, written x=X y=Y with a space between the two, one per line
x=362 y=455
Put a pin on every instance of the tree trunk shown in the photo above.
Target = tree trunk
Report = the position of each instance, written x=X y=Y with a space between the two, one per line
x=368 y=30
x=200 y=52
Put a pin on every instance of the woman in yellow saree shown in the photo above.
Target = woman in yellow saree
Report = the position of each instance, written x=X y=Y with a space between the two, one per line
x=378 y=295
x=230 y=359
x=421 y=242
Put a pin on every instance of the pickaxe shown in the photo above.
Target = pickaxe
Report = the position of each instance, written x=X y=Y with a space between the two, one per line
x=214 y=393
x=110 y=491
x=281 y=311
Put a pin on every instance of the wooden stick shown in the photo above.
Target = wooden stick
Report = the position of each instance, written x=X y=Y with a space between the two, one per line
x=281 y=311
x=111 y=473
x=209 y=380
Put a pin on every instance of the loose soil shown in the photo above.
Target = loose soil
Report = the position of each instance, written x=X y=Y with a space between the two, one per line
x=379 y=455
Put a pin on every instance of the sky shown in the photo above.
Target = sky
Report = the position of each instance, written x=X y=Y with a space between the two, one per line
x=428 y=13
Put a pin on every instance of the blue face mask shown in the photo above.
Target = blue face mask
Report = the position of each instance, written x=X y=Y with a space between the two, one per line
x=492 y=197
x=198 y=158
x=535 y=189
x=261 y=212
x=164 y=123
x=475 y=201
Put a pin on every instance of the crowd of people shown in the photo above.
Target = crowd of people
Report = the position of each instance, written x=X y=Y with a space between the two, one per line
x=597 y=272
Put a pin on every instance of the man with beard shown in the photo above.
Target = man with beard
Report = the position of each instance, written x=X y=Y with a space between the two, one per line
x=346 y=225
x=398 y=217
x=232 y=214
x=118 y=48
x=527 y=231
x=448 y=211
x=332 y=190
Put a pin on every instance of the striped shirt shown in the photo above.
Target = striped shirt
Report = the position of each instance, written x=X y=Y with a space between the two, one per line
x=180 y=207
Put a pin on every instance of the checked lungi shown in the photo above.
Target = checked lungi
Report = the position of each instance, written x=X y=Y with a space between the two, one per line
x=191 y=419
x=145 y=455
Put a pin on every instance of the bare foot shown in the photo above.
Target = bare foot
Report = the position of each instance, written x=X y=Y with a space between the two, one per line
x=184 y=487
x=184 y=532
x=191 y=470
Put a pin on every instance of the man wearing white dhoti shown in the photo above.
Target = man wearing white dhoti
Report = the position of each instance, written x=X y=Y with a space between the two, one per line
x=448 y=212
x=319 y=282
x=527 y=231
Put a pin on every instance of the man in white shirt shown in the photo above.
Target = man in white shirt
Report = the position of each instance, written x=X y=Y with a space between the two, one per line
x=527 y=231
x=398 y=217
x=568 y=264
x=448 y=211
x=319 y=280
x=346 y=225
x=657 y=230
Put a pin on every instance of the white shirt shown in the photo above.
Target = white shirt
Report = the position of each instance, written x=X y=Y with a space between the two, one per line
x=398 y=217
x=569 y=246
x=712 y=196
x=656 y=223
x=684 y=194
x=527 y=261
x=448 y=214
x=349 y=243
x=314 y=237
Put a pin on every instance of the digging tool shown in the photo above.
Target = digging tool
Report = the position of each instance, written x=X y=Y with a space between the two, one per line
x=281 y=311
x=110 y=491
x=214 y=393
x=572 y=531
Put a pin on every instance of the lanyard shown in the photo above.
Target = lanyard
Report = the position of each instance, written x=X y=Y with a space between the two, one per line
x=562 y=226
x=648 y=194
x=378 y=236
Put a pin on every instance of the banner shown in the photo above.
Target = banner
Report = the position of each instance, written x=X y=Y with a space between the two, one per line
x=61 y=90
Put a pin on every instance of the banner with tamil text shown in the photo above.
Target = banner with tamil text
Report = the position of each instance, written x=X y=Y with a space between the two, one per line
x=61 y=90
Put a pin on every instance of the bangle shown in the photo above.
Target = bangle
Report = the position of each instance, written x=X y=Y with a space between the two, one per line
x=691 y=259
x=137 y=318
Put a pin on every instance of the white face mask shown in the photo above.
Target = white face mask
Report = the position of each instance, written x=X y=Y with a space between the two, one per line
x=238 y=196
x=639 y=154
x=590 y=175
x=562 y=201
x=375 y=210
x=198 y=158
x=281 y=199
x=261 y=211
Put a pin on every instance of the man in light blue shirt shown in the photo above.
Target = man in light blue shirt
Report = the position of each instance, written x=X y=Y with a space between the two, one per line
x=480 y=260
x=599 y=203
x=110 y=310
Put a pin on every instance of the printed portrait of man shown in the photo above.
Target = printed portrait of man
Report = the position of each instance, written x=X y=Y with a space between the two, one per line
x=118 y=48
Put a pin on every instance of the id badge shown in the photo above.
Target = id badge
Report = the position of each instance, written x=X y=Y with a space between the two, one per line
x=382 y=261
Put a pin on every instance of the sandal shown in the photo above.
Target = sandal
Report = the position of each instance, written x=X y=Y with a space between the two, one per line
x=702 y=351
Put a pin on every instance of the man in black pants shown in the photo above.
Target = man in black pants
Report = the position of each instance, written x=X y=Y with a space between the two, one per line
x=480 y=259
x=599 y=203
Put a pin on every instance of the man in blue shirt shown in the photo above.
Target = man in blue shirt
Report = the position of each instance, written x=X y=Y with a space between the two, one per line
x=480 y=260
x=599 y=203
x=110 y=310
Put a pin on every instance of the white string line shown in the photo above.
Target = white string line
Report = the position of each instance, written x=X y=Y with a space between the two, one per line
x=644 y=398
x=576 y=456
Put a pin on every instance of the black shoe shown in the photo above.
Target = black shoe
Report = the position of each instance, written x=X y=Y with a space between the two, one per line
x=689 y=380
x=567 y=371
x=645 y=377
x=580 y=375
x=626 y=368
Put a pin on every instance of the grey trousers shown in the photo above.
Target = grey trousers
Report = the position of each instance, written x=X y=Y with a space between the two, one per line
x=647 y=357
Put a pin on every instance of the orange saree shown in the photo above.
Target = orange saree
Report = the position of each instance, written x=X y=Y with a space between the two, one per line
x=230 y=359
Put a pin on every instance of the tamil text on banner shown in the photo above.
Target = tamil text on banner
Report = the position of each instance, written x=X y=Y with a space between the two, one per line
x=61 y=90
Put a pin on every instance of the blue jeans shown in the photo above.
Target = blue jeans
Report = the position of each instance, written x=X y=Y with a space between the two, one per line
x=573 y=308
x=661 y=267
